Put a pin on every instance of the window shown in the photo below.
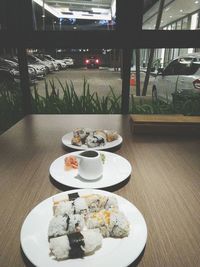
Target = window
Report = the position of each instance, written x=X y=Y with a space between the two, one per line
x=74 y=15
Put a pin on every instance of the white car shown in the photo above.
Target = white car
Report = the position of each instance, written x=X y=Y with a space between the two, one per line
x=59 y=63
x=68 y=61
x=181 y=75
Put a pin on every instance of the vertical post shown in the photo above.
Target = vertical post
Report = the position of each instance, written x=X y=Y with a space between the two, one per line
x=137 y=53
x=126 y=66
x=24 y=81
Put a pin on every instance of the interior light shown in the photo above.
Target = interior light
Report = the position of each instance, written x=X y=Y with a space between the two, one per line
x=181 y=10
x=196 y=2
x=170 y=16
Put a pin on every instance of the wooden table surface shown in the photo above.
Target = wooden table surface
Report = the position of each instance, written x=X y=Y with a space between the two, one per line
x=164 y=185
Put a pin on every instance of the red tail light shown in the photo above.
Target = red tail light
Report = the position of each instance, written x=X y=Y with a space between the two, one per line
x=196 y=84
x=86 y=61
x=97 y=61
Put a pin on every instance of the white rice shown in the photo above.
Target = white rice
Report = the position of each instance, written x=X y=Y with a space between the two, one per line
x=64 y=207
x=93 y=240
x=119 y=225
x=60 y=247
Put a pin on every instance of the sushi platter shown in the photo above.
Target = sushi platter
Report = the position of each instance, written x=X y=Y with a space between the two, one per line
x=81 y=228
x=115 y=170
x=84 y=138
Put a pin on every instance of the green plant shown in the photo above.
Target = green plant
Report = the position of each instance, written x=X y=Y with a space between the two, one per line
x=69 y=102
x=10 y=104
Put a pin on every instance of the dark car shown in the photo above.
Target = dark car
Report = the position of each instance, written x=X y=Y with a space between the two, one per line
x=92 y=62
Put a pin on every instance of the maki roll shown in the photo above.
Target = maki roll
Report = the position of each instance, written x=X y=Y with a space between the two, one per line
x=110 y=223
x=62 y=225
x=97 y=202
x=76 y=245
x=83 y=204
x=111 y=136
x=76 y=140
x=81 y=133
x=95 y=140
x=77 y=206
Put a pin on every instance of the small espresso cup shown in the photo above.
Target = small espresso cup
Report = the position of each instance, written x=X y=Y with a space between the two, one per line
x=90 y=166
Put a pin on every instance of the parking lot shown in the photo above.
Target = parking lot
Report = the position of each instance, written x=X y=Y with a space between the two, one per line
x=99 y=80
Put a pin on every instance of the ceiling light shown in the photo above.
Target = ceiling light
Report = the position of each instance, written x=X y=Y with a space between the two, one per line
x=181 y=10
x=196 y=2
x=170 y=16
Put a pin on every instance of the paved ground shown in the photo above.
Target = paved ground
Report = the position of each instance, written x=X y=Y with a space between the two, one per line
x=99 y=81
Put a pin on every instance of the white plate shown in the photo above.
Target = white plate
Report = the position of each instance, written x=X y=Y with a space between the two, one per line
x=114 y=252
x=115 y=170
x=66 y=140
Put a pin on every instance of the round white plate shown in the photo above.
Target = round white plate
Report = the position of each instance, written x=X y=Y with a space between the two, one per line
x=115 y=170
x=66 y=140
x=114 y=252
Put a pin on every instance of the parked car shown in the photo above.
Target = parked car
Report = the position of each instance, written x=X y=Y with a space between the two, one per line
x=61 y=65
x=68 y=61
x=9 y=71
x=181 y=75
x=92 y=62
x=40 y=70
x=50 y=66
x=36 y=61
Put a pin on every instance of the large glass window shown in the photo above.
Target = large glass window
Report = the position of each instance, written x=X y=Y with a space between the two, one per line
x=161 y=87
x=10 y=89
x=74 y=15
x=76 y=80
x=172 y=12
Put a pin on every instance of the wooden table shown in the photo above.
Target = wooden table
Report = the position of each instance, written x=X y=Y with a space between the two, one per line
x=164 y=186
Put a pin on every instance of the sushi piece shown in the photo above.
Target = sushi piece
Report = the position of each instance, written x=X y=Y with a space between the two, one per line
x=78 y=206
x=63 y=207
x=76 y=245
x=81 y=133
x=95 y=140
x=62 y=225
x=76 y=141
x=111 y=136
x=98 y=202
x=100 y=133
x=110 y=223
x=84 y=204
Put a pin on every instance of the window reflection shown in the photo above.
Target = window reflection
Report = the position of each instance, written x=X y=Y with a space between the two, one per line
x=176 y=15
x=74 y=15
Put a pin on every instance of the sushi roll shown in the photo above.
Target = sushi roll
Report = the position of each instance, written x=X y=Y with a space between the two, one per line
x=84 y=204
x=111 y=224
x=100 y=133
x=111 y=136
x=76 y=245
x=80 y=206
x=81 y=133
x=95 y=140
x=98 y=202
x=63 y=207
x=76 y=141
x=62 y=225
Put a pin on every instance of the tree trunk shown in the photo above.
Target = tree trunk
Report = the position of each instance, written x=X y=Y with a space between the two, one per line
x=146 y=81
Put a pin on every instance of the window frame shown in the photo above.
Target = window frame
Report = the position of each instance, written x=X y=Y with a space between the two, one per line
x=128 y=35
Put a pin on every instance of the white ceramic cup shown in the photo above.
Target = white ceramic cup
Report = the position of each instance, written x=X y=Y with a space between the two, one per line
x=90 y=166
